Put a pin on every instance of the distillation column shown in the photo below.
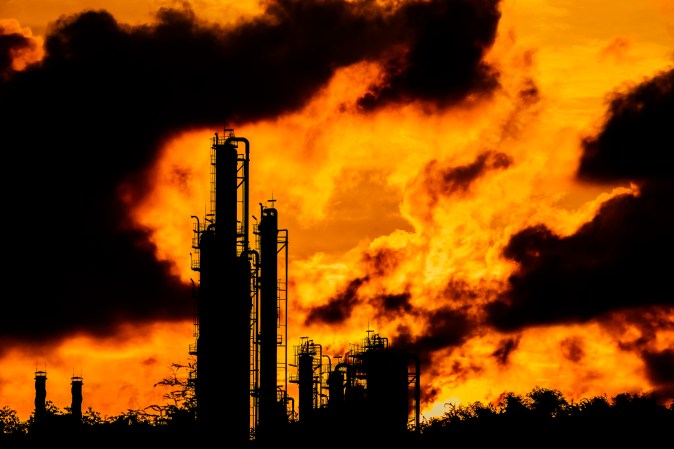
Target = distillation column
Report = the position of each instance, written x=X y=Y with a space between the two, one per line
x=224 y=307
x=270 y=415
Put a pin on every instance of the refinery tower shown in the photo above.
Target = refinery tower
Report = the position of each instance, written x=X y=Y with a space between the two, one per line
x=241 y=322
x=241 y=377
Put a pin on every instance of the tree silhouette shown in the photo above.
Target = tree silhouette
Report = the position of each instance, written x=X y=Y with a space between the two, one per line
x=544 y=418
x=540 y=418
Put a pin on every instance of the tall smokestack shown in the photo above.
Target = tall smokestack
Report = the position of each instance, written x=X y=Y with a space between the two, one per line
x=76 y=401
x=40 y=397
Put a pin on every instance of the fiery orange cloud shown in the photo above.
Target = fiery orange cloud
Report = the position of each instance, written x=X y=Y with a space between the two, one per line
x=119 y=374
x=398 y=218
x=38 y=14
x=26 y=48
x=316 y=162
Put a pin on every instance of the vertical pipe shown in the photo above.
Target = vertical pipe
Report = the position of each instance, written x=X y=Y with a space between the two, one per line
x=417 y=392
x=246 y=191
x=239 y=284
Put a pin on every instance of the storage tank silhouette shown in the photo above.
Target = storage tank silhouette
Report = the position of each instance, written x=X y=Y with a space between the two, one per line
x=387 y=388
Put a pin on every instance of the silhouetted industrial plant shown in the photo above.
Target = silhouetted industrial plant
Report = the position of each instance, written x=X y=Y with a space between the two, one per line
x=238 y=387
x=240 y=378
x=242 y=306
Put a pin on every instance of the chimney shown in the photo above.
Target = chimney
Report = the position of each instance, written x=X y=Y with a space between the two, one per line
x=40 y=396
x=76 y=404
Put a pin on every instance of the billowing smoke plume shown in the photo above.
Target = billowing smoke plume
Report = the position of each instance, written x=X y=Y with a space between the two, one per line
x=613 y=270
x=9 y=44
x=618 y=262
x=83 y=127
x=615 y=261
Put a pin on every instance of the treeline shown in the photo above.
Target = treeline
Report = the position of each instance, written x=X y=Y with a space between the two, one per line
x=540 y=418
x=544 y=418
x=59 y=427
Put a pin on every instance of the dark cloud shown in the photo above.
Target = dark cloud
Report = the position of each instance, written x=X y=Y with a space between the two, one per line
x=441 y=62
x=446 y=327
x=405 y=342
x=647 y=342
x=377 y=264
x=10 y=43
x=612 y=263
x=636 y=141
x=381 y=261
x=83 y=127
x=660 y=371
x=573 y=349
x=460 y=290
x=504 y=349
x=339 y=308
x=618 y=260
x=530 y=93
x=458 y=179
x=395 y=303
x=440 y=179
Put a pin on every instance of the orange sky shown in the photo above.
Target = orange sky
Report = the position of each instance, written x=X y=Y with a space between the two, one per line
x=353 y=186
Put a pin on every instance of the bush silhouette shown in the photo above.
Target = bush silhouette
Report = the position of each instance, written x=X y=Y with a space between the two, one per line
x=541 y=418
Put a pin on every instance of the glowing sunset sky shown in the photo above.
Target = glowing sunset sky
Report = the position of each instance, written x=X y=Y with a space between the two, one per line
x=483 y=182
